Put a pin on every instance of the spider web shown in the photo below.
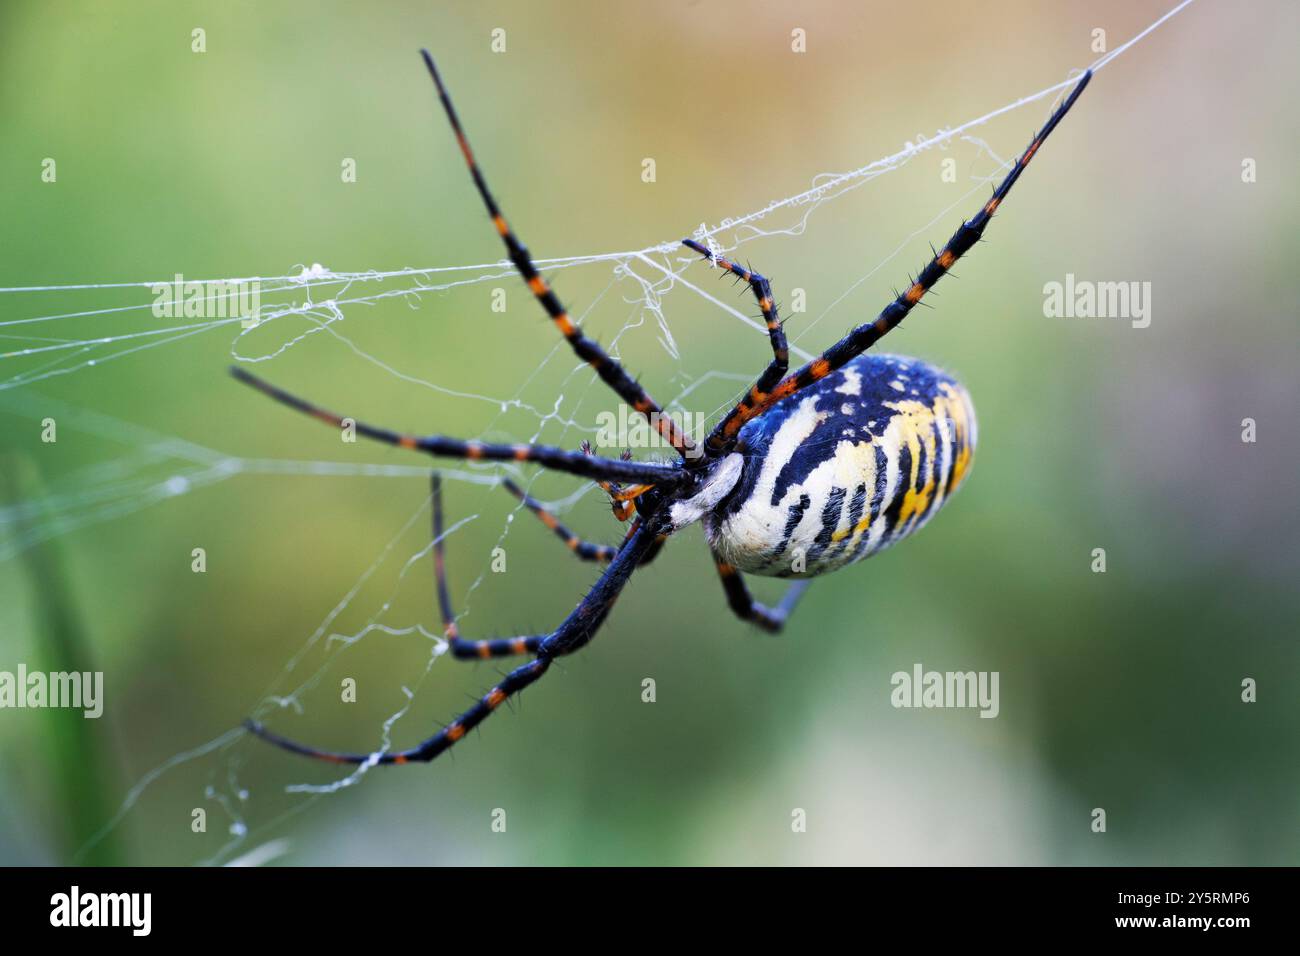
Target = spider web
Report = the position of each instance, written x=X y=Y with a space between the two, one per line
x=311 y=304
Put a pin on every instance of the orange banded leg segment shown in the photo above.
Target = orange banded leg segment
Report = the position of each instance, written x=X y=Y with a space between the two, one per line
x=583 y=549
x=461 y=648
x=574 y=633
x=439 y=743
x=864 y=336
x=744 y=606
x=762 y=290
x=557 y=459
x=482 y=650
x=609 y=370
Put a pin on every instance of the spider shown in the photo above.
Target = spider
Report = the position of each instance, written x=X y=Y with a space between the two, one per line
x=811 y=470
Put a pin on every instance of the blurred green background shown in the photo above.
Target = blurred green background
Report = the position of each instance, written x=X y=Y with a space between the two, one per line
x=1118 y=690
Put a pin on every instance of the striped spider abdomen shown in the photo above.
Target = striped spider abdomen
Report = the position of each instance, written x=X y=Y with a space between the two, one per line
x=839 y=471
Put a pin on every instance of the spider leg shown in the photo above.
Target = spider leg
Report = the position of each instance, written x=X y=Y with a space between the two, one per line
x=557 y=459
x=864 y=336
x=776 y=335
x=654 y=549
x=574 y=633
x=460 y=648
x=747 y=609
x=610 y=371
x=622 y=509
x=585 y=550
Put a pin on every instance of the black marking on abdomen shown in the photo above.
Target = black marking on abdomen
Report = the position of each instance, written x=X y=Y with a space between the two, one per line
x=857 y=504
x=958 y=443
x=830 y=520
x=795 y=516
x=900 y=490
x=877 y=501
x=942 y=453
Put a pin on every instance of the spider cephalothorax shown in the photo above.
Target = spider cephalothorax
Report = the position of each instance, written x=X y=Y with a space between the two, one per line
x=810 y=471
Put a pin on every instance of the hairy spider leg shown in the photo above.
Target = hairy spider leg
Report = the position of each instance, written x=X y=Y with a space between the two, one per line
x=762 y=290
x=548 y=456
x=574 y=633
x=622 y=509
x=585 y=550
x=654 y=549
x=461 y=648
x=742 y=603
x=610 y=371
x=864 y=336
